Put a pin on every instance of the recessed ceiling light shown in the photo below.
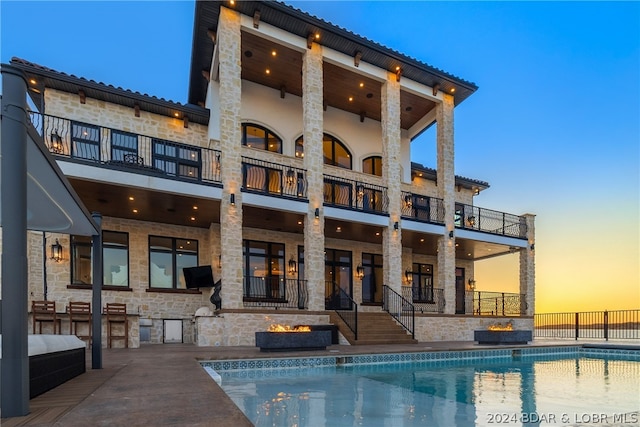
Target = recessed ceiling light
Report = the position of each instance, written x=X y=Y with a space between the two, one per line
x=131 y=198
x=351 y=99
x=135 y=211
x=33 y=81
x=420 y=174
x=338 y=229
x=273 y=53
x=317 y=36
x=453 y=89
x=268 y=71
x=377 y=233
x=457 y=244
x=193 y=218
x=422 y=240
x=468 y=254
x=361 y=84
x=299 y=222
x=397 y=68
x=232 y=2
x=195 y=208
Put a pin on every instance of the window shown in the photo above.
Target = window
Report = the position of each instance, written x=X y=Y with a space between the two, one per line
x=422 y=287
x=175 y=159
x=115 y=259
x=264 y=270
x=255 y=136
x=167 y=257
x=373 y=278
x=85 y=141
x=372 y=165
x=335 y=152
x=123 y=143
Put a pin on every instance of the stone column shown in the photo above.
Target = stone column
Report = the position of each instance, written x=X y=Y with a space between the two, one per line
x=230 y=159
x=312 y=127
x=391 y=161
x=528 y=267
x=446 y=192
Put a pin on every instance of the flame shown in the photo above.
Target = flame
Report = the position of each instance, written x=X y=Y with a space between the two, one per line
x=500 y=327
x=276 y=327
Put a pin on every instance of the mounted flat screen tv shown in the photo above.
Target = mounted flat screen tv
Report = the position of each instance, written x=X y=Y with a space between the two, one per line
x=198 y=277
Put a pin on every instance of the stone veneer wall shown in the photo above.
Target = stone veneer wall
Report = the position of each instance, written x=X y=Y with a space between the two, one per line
x=239 y=328
x=460 y=328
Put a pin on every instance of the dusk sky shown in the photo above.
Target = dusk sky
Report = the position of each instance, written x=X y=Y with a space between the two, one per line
x=554 y=126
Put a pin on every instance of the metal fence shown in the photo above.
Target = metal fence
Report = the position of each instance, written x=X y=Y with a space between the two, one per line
x=495 y=304
x=399 y=308
x=273 y=179
x=275 y=291
x=337 y=299
x=422 y=208
x=356 y=195
x=606 y=325
x=425 y=299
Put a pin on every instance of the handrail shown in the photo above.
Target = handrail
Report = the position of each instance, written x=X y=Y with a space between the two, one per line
x=275 y=291
x=497 y=303
x=614 y=324
x=399 y=308
x=357 y=195
x=342 y=303
x=273 y=179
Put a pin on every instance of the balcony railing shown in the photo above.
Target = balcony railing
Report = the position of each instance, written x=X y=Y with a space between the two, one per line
x=431 y=210
x=337 y=299
x=273 y=179
x=117 y=149
x=495 y=303
x=361 y=196
x=275 y=291
x=426 y=299
x=615 y=325
x=400 y=308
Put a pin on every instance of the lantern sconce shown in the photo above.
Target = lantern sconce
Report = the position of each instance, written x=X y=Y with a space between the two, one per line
x=533 y=247
x=232 y=199
x=293 y=266
x=408 y=276
x=317 y=213
x=56 y=251
x=451 y=234
x=290 y=176
x=396 y=225
x=56 y=142
x=220 y=261
x=472 y=284
x=360 y=271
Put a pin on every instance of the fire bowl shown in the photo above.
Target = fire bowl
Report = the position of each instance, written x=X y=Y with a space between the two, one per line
x=502 y=337
x=293 y=341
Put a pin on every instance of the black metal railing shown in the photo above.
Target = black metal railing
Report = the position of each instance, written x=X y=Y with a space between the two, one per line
x=615 y=325
x=430 y=209
x=495 y=303
x=356 y=195
x=399 y=308
x=117 y=149
x=425 y=299
x=273 y=179
x=275 y=291
x=340 y=301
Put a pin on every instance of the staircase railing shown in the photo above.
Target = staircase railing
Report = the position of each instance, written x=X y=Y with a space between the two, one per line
x=400 y=308
x=344 y=306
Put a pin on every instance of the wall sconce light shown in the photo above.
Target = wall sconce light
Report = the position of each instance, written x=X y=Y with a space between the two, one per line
x=533 y=246
x=472 y=284
x=471 y=221
x=408 y=276
x=317 y=213
x=232 y=199
x=360 y=271
x=293 y=266
x=360 y=191
x=451 y=234
x=56 y=142
x=56 y=251
x=290 y=176
x=408 y=202
x=220 y=261
x=396 y=226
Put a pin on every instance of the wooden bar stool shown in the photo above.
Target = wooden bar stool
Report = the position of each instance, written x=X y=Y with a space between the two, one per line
x=45 y=312
x=116 y=317
x=79 y=312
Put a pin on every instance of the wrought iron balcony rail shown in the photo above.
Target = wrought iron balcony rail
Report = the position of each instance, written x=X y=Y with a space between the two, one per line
x=430 y=209
x=426 y=299
x=275 y=291
x=615 y=325
x=495 y=303
x=399 y=308
x=356 y=195
x=337 y=299
x=273 y=179
x=117 y=149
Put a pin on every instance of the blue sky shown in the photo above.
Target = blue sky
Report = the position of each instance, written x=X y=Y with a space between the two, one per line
x=554 y=127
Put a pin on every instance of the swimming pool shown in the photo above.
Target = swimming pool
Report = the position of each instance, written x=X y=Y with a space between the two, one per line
x=531 y=386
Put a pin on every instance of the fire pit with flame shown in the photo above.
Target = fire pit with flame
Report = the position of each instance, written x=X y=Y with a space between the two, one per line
x=502 y=334
x=286 y=338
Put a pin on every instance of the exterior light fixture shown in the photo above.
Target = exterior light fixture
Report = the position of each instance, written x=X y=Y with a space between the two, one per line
x=396 y=225
x=220 y=261
x=472 y=284
x=533 y=246
x=56 y=142
x=408 y=276
x=290 y=176
x=408 y=202
x=293 y=266
x=56 y=251
x=471 y=221
x=360 y=271
x=232 y=199
x=451 y=234
x=360 y=190
x=317 y=213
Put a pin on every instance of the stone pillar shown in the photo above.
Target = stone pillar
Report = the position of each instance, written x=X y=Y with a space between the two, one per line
x=312 y=127
x=446 y=192
x=528 y=268
x=230 y=159
x=391 y=161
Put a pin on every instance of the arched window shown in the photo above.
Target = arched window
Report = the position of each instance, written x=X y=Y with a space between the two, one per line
x=372 y=165
x=335 y=153
x=259 y=137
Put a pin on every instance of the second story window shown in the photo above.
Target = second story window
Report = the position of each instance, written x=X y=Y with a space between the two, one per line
x=255 y=136
x=334 y=151
x=372 y=165
x=115 y=259
x=85 y=141
x=167 y=257
x=183 y=161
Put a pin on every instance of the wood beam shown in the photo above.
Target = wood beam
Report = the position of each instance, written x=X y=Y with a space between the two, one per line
x=206 y=74
x=256 y=19
x=136 y=109
x=398 y=73
x=356 y=58
x=83 y=96
x=310 y=38
x=185 y=119
x=212 y=35
x=436 y=88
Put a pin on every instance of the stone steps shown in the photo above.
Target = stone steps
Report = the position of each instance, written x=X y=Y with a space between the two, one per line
x=374 y=328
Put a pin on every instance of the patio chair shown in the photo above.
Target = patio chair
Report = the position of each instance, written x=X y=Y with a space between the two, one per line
x=45 y=312
x=116 y=318
x=79 y=312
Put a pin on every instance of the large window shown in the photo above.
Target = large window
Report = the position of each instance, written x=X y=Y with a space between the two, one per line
x=255 y=136
x=115 y=259
x=422 y=283
x=179 y=160
x=85 y=141
x=264 y=270
x=122 y=144
x=338 y=275
x=335 y=152
x=373 y=278
x=372 y=165
x=167 y=257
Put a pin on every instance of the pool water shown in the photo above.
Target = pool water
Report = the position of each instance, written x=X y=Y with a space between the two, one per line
x=533 y=390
